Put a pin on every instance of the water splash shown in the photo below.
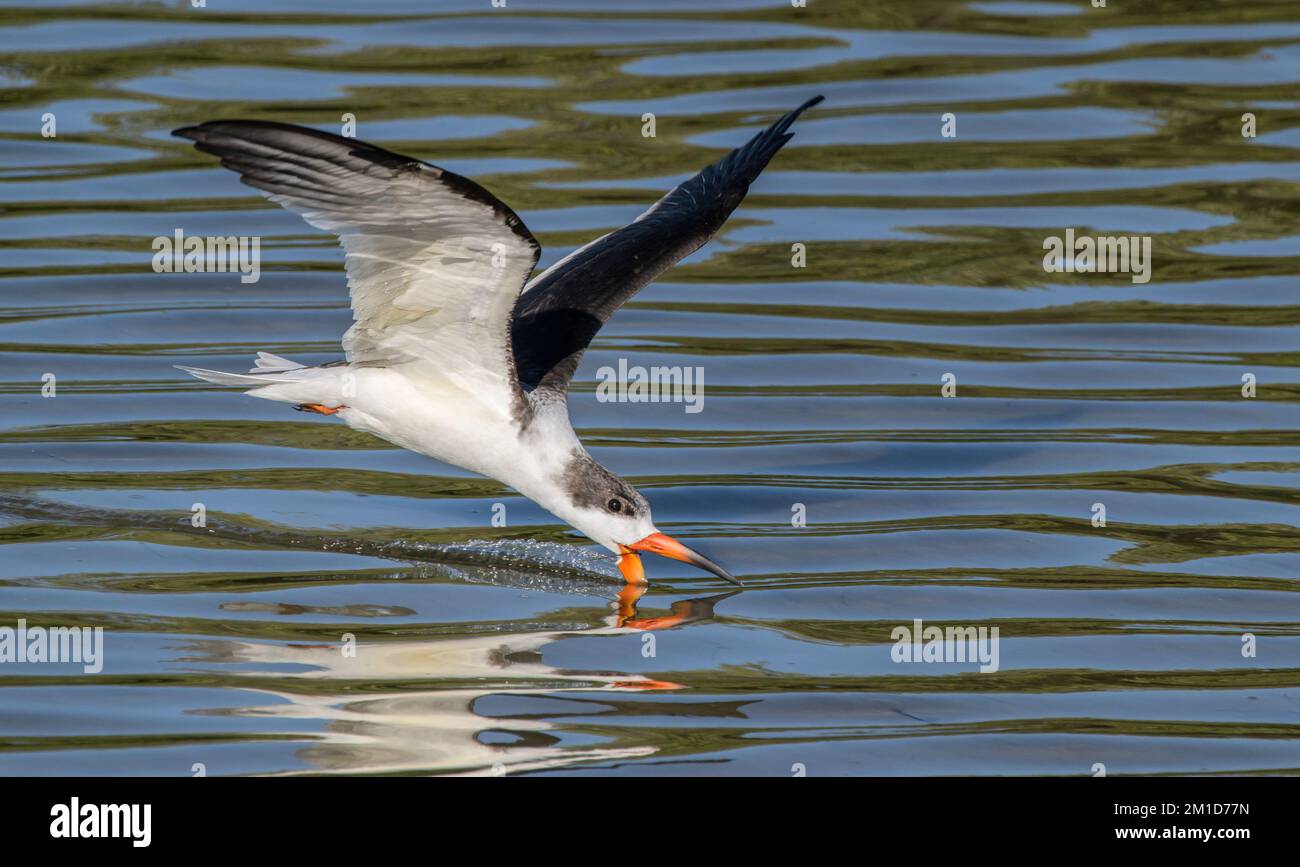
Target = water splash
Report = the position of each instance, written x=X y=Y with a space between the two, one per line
x=526 y=563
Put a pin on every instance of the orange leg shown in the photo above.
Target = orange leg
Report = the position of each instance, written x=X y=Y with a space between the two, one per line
x=317 y=407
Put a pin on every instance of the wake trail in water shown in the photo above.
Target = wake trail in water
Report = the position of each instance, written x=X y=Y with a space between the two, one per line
x=525 y=563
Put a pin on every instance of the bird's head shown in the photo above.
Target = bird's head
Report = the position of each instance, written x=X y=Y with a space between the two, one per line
x=613 y=513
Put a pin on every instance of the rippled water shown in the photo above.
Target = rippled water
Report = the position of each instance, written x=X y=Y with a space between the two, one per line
x=484 y=649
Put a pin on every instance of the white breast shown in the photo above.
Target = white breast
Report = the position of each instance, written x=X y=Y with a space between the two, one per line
x=475 y=430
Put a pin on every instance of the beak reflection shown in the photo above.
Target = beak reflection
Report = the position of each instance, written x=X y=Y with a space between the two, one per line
x=683 y=611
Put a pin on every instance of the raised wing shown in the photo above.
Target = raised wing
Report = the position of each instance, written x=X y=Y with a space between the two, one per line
x=435 y=262
x=562 y=309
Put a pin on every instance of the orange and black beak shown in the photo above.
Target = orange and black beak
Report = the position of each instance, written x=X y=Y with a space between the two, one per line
x=629 y=562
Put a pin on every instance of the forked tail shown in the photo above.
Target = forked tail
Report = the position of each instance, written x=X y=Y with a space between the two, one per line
x=264 y=372
x=276 y=378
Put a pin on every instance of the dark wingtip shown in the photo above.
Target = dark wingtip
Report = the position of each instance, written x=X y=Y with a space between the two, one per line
x=749 y=160
x=810 y=103
x=200 y=131
x=784 y=123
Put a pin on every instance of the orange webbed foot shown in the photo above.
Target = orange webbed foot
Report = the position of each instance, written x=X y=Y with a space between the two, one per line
x=318 y=407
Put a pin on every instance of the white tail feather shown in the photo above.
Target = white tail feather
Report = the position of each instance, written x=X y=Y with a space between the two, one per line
x=266 y=362
x=277 y=378
x=220 y=377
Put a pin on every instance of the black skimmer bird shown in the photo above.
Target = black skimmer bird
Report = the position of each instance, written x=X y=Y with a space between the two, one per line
x=454 y=352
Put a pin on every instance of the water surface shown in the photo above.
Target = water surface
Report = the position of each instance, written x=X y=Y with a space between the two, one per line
x=484 y=649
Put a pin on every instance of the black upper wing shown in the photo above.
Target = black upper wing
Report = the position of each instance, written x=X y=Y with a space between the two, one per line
x=561 y=310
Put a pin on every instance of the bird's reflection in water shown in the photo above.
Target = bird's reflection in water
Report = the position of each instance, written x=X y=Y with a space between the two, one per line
x=382 y=716
x=683 y=611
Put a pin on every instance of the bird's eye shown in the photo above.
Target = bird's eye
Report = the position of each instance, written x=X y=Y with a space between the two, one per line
x=615 y=506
